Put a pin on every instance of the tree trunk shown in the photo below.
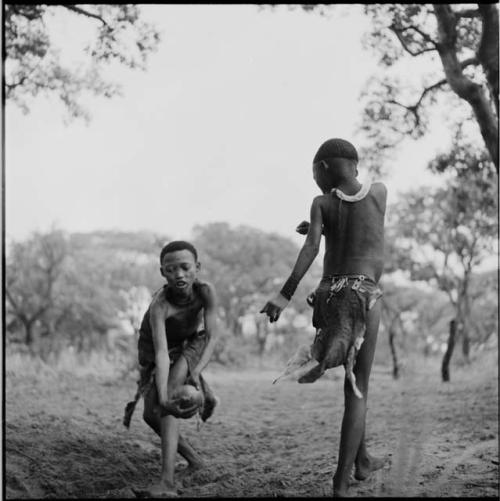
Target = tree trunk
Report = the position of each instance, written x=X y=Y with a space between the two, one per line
x=445 y=367
x=488 y=48
x=395 y=363
x=28 y=330
x=463 y=317
x=463 y=86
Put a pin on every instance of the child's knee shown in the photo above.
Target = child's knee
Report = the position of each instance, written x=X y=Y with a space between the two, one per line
x=174 y=384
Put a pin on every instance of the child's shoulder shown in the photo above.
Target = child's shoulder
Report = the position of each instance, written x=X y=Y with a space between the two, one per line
x=321 y=199
x=379 y=188
x=378 y=191
x=158 y=301
x=204 y=288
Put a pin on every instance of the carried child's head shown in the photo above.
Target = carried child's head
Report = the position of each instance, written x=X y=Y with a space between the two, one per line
x=179 y=265
x=335 y=161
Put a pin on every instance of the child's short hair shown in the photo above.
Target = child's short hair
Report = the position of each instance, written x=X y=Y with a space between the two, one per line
x=178 y=245
x=336 y=148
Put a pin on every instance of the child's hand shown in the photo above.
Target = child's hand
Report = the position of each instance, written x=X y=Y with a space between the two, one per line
x=303 y=228
x=172 y=408
x=274 y=307
x=194 y=379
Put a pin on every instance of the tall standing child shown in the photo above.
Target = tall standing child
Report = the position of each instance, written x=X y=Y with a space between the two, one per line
x=346 y=311
x=173 y=350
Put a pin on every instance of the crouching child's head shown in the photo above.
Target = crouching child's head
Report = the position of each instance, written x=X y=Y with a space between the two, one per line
x=179 y=265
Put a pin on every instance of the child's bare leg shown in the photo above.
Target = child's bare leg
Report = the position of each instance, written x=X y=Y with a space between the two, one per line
x=169 y=428
x=365 y=463
x=352 y=445
x=153 y=420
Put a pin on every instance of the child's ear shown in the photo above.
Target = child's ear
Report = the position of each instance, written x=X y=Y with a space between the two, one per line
x=198 y=266
x=325 y=165
x=161 y=272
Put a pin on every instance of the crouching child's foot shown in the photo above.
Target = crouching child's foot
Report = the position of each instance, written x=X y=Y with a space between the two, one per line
x=364 y=468
x=161 y=489
x=191 y=468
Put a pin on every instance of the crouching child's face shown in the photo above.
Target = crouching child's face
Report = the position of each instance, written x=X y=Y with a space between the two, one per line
x=180 y=268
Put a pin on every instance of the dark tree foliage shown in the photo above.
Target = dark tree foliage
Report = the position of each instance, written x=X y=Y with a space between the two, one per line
x=33 y=65
x=458 y=44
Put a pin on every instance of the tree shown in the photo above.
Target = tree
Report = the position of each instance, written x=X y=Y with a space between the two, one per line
x=33 y=65
x=445 y=365
x=247 y=265
x=465 y=39
x=33 y=270
x=447 y=232
x=71 y=289
x=396 y=301
x=460 y=44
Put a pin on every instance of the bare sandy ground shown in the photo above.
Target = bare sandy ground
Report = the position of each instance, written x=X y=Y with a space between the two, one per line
x=64 y=437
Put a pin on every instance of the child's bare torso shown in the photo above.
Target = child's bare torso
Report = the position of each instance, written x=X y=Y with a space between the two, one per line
x=354 y=234
x=181 y=320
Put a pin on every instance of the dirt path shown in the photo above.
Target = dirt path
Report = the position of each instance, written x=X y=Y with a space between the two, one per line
x=64 y=437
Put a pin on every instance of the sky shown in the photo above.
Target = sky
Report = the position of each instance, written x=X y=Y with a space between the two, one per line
x=222 y=126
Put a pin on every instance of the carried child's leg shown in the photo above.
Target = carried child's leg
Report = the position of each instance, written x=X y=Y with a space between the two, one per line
x=352 y=447
x=210 y=401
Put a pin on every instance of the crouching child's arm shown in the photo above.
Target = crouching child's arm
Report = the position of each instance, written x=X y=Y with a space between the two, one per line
x=162 y=362
x=307 y=254
x=210 y=320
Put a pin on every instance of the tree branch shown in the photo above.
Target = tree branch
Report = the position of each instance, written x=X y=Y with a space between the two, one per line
x=12 y=301
x=440 y=282
x=488 y=48
x=399 y=31
x=464 y=87
x=414 y=108
x=467 y=13
x=13 y=85
x=79 y=10
x=424 y=35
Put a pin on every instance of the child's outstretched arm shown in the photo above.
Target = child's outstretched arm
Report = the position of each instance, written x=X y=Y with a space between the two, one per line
x=307 y=254
x=303 y=228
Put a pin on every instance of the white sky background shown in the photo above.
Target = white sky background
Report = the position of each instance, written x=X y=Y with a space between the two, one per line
x=222 y=126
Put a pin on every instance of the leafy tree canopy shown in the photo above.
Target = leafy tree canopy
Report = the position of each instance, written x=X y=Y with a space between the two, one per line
x=33 y=65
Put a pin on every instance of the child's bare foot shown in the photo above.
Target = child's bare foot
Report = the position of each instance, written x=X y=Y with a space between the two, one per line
x=161 y=489
x=191 y=468
x=340 y=491
x=312 y=375
x=340 y=487
x=364 y=468
x=211 y=401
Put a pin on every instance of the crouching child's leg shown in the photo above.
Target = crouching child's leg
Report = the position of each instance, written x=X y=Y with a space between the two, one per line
x=152 y=418
x=169 y=432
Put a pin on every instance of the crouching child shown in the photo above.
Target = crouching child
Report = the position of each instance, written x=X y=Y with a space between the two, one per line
x=173 y=351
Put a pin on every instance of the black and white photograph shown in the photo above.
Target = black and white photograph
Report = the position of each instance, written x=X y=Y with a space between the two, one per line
x=250 y=250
